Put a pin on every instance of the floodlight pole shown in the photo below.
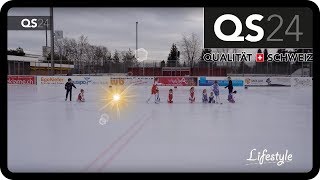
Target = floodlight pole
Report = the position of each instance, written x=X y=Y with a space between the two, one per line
x=46 y=36
x=136 y=39
x=137 y=48
x=52 y=41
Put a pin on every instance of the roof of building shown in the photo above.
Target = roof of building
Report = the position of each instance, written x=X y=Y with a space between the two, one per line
x=27 y=57
x=36 y=61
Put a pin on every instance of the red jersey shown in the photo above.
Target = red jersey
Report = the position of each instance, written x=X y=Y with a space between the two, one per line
x=192 y=93
x=170 y=97
x=192 y=98
x=80 y=97
x=154 y=88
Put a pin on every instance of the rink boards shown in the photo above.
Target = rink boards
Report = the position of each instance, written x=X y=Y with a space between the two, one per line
x=163 y=80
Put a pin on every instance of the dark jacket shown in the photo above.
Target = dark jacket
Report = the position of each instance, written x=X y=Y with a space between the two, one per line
x=69 y=85
x=229 y=86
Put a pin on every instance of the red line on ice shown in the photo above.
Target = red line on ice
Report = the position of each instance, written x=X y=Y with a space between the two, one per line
x=123 y=145
x=112 y=145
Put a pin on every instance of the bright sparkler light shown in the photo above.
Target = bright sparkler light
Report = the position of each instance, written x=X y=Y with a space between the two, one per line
x=117 y=97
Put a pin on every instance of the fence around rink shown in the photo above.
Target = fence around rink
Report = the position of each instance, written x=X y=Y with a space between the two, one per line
x=163 y=81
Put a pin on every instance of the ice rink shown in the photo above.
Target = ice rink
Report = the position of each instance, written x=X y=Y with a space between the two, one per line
x=48 y=134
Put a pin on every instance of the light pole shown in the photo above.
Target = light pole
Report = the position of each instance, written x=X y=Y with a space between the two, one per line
x=243 y=68
x=52 y=41
x=58 y=35
x=137 y=39
x=302 y=69
x=60 y=60
x=137 y=56
x=46 y=35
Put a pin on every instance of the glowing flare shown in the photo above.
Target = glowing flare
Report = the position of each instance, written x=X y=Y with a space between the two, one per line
x=116 y=97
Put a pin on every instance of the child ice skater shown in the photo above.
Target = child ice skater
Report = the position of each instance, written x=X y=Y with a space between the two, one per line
x=157 y=97
x=192 y=98
x=211 y=97
x=81 y=96
x=215 y=90
x=154 y=88
x=204 y=96
x=170 y=96
x=230 y=97
x=68 y=87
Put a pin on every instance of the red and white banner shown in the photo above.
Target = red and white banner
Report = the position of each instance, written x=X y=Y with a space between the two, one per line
x=177 y=81
x=11 y=79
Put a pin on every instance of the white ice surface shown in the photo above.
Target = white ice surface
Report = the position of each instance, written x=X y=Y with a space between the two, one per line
x=47 y=134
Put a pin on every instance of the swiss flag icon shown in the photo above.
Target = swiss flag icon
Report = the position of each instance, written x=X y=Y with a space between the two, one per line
x=259 y=57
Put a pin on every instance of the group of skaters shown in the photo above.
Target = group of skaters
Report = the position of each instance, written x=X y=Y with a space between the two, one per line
x=213 y=97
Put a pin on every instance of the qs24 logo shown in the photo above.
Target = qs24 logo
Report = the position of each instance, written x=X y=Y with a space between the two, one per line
x=236 y=35
x=34 y=23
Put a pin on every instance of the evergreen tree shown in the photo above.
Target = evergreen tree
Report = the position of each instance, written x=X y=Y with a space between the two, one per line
x=116 y=57
x=202 y=62
x=128 y=58
x=258 y=66
x=17 y=52
x=265 y=64
x=162 y=64
x=116 y=61
x=173 y=58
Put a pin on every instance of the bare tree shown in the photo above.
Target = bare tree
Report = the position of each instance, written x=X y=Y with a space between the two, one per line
x=89 y=58
x=128 y=59
x=70 y=50
x=232 y=65
x=81 y=50
x=190 y=48
x=98 y=56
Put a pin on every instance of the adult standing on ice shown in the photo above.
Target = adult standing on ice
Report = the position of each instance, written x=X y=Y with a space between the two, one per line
x=68 y=87
x=170 y=96
x=229 y=86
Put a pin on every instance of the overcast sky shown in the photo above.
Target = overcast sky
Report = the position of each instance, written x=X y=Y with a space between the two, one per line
x=114 y=27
